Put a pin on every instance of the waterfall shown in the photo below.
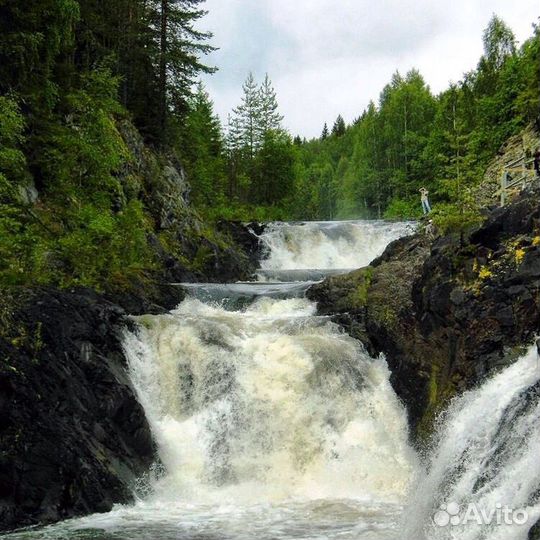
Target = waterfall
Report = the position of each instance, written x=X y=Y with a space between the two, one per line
x=484 y=463
x=267 y=404
x=332 y=245
x=272 y=424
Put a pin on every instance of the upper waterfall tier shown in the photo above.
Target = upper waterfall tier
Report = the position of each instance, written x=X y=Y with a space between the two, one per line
x=328 y=245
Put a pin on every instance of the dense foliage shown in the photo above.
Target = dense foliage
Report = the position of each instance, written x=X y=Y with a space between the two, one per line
x=376 y=166
x=412 y=138
x=69 y=72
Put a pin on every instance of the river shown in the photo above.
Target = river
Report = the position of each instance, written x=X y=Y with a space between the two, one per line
x=271 y=423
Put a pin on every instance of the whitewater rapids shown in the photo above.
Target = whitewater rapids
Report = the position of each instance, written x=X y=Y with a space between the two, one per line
x=272 y=424
x=326 y=246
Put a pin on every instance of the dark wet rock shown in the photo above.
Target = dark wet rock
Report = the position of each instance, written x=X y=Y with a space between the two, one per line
x=231 y=253
x=246 y=236
x=447 y=313
x=216 y=260
x=519 y=218
x=147 y=297
x=534 y=533
x=73 y=437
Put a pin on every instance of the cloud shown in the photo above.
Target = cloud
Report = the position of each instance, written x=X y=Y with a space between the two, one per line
x=330 y=57
x=352 y=28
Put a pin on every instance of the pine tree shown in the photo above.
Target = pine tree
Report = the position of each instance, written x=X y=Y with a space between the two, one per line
x=154 y=46
x=234 y=137
x=325 y=133
x=35 y=35
x=178 y=46
x=338 y=130
x=274 y=169
x=202 y=147
x=270 y=119
x=234 y=144
x=248 y=115
x=119 y=36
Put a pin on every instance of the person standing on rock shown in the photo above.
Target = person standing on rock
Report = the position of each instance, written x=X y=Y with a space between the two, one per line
x=426 y=207
x=537 y=162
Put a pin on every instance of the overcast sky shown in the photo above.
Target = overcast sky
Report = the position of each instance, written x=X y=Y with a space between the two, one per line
x=327 y=57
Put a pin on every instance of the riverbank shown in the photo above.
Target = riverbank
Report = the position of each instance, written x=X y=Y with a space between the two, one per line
x=74 y=437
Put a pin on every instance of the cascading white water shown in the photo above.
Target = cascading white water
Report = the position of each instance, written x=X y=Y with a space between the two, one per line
x=267 y=405
x=330 y=245
x=485 y=462
x=270 y=421
x=273 y=424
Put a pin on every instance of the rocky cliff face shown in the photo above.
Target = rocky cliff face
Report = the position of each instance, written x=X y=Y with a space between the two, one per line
x=186 y=247
x=516 y=148
x=445 y=313
x=73 y=435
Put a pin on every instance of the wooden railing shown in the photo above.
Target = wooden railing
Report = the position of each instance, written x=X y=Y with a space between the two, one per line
x=516 y=176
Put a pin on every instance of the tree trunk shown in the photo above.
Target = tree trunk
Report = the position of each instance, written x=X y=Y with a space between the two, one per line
x=163 y=67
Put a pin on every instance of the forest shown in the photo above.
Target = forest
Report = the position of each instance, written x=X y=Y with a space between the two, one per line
x=374 y=168
x=72 y=70
x=71 y=73
x=411 y=138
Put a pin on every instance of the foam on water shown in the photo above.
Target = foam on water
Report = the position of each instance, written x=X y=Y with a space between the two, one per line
x=486 y=453
x=267 y=404
x=272 y=424
x=327 y=245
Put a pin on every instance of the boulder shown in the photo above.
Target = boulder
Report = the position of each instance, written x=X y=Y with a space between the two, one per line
x=73 y=437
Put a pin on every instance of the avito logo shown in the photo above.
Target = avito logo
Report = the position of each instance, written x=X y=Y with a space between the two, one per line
x=452 y=514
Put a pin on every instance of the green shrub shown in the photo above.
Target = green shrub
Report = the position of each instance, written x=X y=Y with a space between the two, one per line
x=451 y=218
x=403 y=209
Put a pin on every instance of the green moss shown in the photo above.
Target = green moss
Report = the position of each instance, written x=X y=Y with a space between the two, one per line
x=202 y=235
x=203 y=256
x=386 y=316
x=359 y=297
x=433 y=386
x=440 y=391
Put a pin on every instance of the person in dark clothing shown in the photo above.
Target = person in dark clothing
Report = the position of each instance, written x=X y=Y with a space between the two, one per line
x=537 y=161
